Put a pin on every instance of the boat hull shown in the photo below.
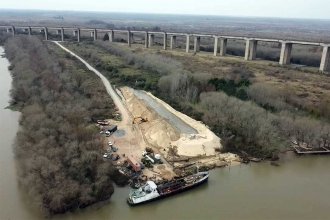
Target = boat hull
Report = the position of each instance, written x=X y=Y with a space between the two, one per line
x=170 y=194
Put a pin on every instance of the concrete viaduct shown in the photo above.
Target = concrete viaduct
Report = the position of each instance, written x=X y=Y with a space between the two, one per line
x=220 y=42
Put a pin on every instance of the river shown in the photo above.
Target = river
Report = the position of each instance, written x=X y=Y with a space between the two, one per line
x=298 y=189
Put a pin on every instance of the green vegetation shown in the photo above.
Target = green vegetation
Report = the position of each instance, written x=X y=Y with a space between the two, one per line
x=231 y=88
x=250 y=117
x=57 y=148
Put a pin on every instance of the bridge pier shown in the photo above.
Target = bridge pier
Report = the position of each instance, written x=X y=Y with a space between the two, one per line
x=146 y=39
x=13 y=30
x=111 y=35
x=197 y=43
x=29 y=31
x=223 y=46
x=129 y=38
x=173 y=42
x=187 y=43
x=251 y=49
x=62 y=34
x=165 y=41
x=151 y=40
x=95 y=34
x=325 y=66
x=46 y=33
x=216 y=45
x=285 y=53
x=78 y=35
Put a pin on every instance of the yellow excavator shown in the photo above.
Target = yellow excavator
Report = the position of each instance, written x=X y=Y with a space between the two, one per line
x=139 y=120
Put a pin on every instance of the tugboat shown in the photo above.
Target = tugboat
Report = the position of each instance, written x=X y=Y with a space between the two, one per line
x=151 y=191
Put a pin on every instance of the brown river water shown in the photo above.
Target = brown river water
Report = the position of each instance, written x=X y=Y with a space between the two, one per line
x=298 y=189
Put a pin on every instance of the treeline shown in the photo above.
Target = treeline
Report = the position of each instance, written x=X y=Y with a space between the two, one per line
x=58 y=150
x=261 y=132
x=249 y=117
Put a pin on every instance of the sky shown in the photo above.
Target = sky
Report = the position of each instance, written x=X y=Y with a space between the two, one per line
x=252 y=8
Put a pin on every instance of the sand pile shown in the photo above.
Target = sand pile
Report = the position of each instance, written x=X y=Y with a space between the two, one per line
x=157 y=131
x=161 y=134
x=204 y=143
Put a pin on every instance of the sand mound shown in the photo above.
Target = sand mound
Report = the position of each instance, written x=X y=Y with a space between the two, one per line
x=204 y=143
x=161 y=134
x=157 y=131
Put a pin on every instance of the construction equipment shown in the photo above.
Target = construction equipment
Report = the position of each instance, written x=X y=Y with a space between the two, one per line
x=139 y=120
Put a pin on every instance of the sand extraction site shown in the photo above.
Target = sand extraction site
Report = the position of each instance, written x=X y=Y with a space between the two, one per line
x=177 y=137
x=149 y=123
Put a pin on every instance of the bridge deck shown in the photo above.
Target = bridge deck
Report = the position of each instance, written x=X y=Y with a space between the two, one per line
x=177 y=34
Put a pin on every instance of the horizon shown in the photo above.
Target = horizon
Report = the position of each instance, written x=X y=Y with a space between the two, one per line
x=151 y=13
x=316 y=9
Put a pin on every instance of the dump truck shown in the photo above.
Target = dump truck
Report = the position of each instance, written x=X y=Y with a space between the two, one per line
x=112 y=128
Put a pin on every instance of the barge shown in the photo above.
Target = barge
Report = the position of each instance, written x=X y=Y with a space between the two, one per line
x=151 y=191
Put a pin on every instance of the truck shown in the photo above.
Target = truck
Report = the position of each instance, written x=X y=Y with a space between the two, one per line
x=112 y=128
x=109 y=130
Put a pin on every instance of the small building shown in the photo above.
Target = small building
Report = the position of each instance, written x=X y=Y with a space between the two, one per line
x=134 y=163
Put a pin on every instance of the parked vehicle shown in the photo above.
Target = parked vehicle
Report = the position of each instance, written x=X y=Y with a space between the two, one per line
x=114 y=157
x=112 y=128
x=111 y=156
x=112 y=149
x=103 y=122
x=106 y=155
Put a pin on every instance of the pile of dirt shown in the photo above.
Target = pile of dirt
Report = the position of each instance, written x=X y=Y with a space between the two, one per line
x=204 y=143
x=157 y=131
x=161 y=134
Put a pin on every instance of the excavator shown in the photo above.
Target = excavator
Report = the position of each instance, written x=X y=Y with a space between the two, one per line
x=139 y=120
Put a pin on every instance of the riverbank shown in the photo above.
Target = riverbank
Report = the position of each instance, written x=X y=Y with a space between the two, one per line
x=14 y=203
x=255 y=191
x=57 y=148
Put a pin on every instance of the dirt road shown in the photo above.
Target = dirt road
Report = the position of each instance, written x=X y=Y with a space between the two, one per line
x=131 y=143
x=116 y=99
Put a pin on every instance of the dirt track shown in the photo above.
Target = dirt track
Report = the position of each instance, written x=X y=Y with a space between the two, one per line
x=116 y=99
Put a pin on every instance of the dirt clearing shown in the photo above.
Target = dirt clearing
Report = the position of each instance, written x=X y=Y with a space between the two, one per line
x=177 y=137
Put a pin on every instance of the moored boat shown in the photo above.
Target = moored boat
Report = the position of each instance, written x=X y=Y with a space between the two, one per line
x=152 y=191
